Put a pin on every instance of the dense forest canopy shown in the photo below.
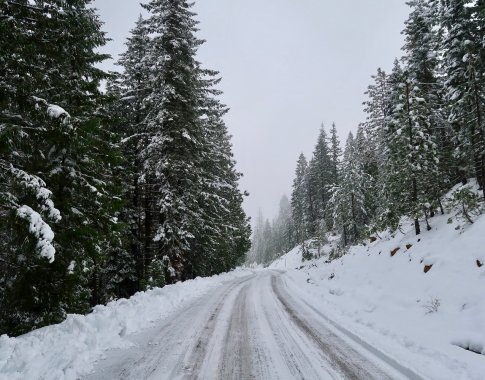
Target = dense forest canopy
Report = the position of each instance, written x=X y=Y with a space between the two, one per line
x=106 y=194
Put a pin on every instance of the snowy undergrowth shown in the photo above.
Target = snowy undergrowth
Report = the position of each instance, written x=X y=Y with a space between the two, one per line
x=433 y=322
x=69 y=349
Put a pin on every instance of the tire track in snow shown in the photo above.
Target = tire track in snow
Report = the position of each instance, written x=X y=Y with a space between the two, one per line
x=192 y=364
x=163 y=351
x=237 y=362
x=299 y=356
x=248 y=329
x=348 y=362
x=410 y=374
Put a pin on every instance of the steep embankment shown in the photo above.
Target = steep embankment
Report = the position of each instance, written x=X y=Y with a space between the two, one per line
x=419 y=299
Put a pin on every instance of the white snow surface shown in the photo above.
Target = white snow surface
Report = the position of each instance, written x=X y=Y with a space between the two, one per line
x=422 y=320
x=70 y=349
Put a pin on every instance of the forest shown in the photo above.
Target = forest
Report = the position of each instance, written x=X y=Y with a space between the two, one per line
x=424 y=133
x=107 y=193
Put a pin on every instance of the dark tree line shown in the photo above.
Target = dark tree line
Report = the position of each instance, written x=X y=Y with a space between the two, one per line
x=106 y=194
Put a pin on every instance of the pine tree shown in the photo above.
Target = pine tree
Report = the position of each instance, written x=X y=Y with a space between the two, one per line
x=321 y=175
x=348 y=201
x=412 y=156
x=421 y=59
x=377 y=108
x=464 y=65
x=283 y=228
x=364 y=155
x=336 y=153
x=256 y=253
x=27 y=211
x=61 y=105
x=223 y=239
x=299 y=200
x=185 y=206
x=172 y=159
x=131 y=89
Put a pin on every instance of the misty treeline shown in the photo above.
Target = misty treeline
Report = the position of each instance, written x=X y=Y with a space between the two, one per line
x=106 y=194
x=424 y=133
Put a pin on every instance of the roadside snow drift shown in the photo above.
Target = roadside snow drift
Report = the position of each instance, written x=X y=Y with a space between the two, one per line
x=419 y=299
x=69 y=350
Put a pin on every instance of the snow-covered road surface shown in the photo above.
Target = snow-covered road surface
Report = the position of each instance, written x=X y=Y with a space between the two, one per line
x=248 y=328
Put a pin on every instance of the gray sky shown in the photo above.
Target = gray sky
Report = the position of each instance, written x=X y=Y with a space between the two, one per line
x=287 y=66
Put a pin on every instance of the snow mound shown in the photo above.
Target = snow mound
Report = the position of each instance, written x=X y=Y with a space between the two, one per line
x=294 y=258
x=68 y=350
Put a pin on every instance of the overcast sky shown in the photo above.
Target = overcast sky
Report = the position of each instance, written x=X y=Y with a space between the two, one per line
x=287 y=66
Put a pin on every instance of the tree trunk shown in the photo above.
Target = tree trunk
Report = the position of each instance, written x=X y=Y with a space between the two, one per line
x=441 y=207
x=417 y=228
x=354 y=224
x=479 y=150
x=414 y=194
x=428 y=227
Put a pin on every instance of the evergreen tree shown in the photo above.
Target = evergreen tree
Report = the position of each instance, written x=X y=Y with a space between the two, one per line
x=131 y=89
x=377 y=108
x=256 y=253
x=365 y=159
x=283 y=228
x=421 y=59
x=172 y=159
x=336 y=153
x=223 y=239
x=412 y=156
x=464 y=65
x=62 y=107
x=348 y=201
x=322 y=173
x=299 y=200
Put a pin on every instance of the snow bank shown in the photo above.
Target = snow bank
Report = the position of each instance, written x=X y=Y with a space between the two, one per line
x=69 y=349
x=432 y=322
x=293 y=259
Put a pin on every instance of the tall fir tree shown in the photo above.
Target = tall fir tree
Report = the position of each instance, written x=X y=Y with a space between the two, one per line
x=322 y=173
x=412 y=156
x=348 y=201
x=464 y=66
x=185 y=208
x=172 y=159
x=299 y=200
x=63 y=108
x=335 y=154
x=422 y=62
x=131 y=89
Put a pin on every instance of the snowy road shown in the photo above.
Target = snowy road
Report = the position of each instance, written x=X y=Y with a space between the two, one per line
x=249 y=328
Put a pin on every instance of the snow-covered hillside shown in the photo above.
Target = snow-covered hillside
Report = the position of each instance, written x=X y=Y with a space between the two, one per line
x=70 y=349
x=420 y=299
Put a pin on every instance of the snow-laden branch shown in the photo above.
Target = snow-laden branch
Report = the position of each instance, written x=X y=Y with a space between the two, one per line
x=53 y=110
x=41 y=230
x=38 y=187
